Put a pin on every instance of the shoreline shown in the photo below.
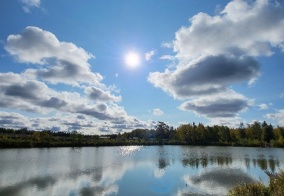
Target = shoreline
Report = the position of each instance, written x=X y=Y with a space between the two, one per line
x=16 y=146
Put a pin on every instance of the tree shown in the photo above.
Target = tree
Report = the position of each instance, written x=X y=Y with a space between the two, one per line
x=182 y=132
x=254 y=131
x=278 y=134
x=235 y=135
x=76 y=137
x=212 y=134
x=202 y=133
x=242 y=129
x=267 y=132
x=36 y=136
x=140 y=133
x=172 y=133
x=162 y=130
x=224 y=134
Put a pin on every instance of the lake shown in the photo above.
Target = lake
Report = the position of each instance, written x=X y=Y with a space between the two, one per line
x=134 y=170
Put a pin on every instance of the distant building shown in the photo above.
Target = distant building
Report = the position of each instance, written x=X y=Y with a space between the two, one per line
x=104 y=137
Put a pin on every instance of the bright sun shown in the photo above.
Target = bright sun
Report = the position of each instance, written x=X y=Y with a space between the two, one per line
x=132 y=59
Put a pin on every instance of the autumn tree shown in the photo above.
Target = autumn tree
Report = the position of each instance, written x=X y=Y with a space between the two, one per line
x=183 y=132
x=254 y=131
x=202 y=133
x=267 y=132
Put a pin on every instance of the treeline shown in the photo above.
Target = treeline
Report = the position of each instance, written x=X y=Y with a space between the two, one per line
x=24 y=138
x=256 y=134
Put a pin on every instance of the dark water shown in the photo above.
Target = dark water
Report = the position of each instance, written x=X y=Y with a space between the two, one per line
x=154 y=170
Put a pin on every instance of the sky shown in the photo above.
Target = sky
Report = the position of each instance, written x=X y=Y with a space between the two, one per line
x=104 y=67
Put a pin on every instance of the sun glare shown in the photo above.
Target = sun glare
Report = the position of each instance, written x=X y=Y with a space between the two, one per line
x=132 y=59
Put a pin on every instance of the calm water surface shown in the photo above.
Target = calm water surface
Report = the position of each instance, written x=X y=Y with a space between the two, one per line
x=134 y=170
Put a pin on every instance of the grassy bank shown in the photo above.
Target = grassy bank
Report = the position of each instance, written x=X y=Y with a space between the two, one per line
x=275 y=187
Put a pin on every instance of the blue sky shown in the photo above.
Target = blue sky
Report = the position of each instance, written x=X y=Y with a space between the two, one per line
x=63 y=63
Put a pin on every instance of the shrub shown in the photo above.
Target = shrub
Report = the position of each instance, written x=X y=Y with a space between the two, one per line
x=254 y=189
x=276 y=184
x=275 y=188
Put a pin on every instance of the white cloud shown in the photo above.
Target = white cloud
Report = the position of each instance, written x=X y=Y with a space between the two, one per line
x=167 y=44
x=76 y=113
x=205 y=76
x=35 y=96
x=214 y=52
x=157 y=112
x=263 y=106
x=222 y=105
x=13 y=120
x=230 y=122
x=242 y=28
x=149 y=55
x=167 y=57
x=278 y=116
x=282 y=95
x=28 y=4
x=100 y=95
x=38 y=46
x=61 y=62
x=94 y=108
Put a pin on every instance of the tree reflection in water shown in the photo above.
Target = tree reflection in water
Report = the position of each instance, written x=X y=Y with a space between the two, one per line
x=134 y=170
x=204 y=161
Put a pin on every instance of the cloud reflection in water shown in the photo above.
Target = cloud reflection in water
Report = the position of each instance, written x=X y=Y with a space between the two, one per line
x=216 y=181
x=133 y=170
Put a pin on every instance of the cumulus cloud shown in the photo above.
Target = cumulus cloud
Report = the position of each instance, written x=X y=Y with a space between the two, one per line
x=18 y=93
x=242 y=28
x=68 y=122
x=278 y=116
x=28 y=4
x=230 y=122
x=215 y=52
x=57 y=123
x=157 y=112
x=13 y=120
x=100 y=95
x=36 y=46
x=206 y=76
x=91 y=108
x=222 y=105
x=263 y=106
x=23 y=94
x=29 y=95
x=61 y=62
x=149 y=55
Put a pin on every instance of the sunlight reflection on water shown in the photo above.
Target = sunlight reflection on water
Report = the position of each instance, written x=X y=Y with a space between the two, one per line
x=134 y=170
x=128 y=150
